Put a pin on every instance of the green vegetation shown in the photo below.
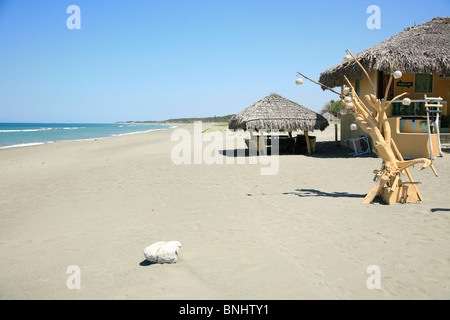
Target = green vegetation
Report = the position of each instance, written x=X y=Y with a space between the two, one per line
x=189 y=120
x=217 y=127
x=333 y=107
x=207 y=119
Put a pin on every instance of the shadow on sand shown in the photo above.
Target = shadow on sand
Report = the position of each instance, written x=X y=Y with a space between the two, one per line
x=325 y=149
x=238 y=153
x=329 y=149
x=317 y=193
x=440 y=209
x=146 y=263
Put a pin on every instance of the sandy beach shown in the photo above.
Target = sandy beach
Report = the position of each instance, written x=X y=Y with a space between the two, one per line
x=301 y=233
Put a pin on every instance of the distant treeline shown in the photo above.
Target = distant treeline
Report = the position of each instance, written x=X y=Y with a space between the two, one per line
x=189 y=120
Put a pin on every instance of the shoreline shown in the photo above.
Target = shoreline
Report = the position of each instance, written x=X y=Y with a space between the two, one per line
x=32 y=144
x=301 y=233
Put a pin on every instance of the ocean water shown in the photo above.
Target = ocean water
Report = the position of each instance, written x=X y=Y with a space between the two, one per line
x=26 y=134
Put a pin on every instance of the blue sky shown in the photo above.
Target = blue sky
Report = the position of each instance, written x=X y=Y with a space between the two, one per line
x=155 y=60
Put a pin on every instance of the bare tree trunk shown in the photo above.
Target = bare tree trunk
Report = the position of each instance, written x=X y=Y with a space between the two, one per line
x=373 y=121
x=389 y=186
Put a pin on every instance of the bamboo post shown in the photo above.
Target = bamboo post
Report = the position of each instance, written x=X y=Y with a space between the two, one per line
x=308 y=145
x=262 y=143
x=335 y=134
x=429 y=135
x=293 y=145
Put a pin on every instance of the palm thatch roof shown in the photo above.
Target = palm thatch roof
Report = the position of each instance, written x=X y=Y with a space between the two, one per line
x=330 y=117
x=424 y=48
x=277 y=113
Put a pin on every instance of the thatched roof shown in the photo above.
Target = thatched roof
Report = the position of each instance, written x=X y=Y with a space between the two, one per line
x=330 y=117
x=277 y=113
x=423 y=48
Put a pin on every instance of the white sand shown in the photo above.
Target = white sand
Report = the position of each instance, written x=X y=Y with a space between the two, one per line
x=299 y=234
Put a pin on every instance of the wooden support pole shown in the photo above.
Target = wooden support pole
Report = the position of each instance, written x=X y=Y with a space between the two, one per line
x=336 y=134
x=308 y=144
x=434 y=170
x=293 y=145
x=364 y=70
x=375 y=191
x=262 y=143
x=408 y=174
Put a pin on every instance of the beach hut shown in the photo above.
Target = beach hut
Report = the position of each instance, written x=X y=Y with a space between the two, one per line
x=330 y=117
x=276 y=113
x=422 y=54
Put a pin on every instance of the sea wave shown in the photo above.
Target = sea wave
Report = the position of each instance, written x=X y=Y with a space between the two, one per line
x=25 y=130
x=62 y=133
x=39 y=129
x=71 y=128
x=134 y=132
x=25 y=145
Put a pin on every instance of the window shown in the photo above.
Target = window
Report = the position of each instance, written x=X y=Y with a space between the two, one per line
x=357 y=86
x=423 y=83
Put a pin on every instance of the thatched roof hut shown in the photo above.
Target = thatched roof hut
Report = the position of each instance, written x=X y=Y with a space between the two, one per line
x=330 y=117
x=277 y=113
x=424 y=48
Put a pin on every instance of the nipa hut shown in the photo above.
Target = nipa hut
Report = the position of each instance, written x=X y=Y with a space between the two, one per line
x=421 y=49
x=275 y=112
x=422 y=54
x=330 y=117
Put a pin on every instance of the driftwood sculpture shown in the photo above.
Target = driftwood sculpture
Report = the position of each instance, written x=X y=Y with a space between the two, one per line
x=373 y=121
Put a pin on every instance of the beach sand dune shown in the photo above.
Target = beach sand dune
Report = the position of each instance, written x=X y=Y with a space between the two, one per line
x=301 y=233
